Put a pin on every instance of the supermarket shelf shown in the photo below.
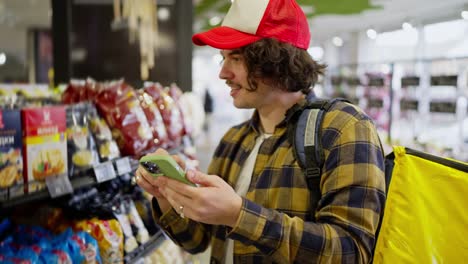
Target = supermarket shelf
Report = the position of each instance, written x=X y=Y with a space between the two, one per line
x=153 y=243
x=82 y=179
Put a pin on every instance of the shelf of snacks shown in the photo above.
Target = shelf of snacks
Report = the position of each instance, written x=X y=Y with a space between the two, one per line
x=56 y=186
x=143 y=250
x=66 y=167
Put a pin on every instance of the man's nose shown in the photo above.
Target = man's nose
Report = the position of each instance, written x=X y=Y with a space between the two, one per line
x=225 y=73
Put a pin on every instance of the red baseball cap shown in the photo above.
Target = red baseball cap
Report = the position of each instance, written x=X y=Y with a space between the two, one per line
x=250 y=20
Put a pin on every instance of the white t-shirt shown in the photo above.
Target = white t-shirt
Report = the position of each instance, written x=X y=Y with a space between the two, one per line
x=242 y=186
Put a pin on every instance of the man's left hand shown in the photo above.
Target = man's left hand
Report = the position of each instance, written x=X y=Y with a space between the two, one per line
x=212 y=202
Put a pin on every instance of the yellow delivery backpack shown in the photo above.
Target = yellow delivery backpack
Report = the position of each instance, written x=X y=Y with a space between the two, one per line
x=425 y=218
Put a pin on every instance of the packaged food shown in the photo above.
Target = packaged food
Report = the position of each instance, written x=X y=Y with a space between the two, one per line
x=91 y=249
x=45 y=145
x=160 y=137
x=176 y=93
x=11 y=160
x=108 y=235
x=119 y=105
x=121 y=213
x=170 y=113
x=80 y=91
x=106 y=145
x=82 y=152
x=142 y=234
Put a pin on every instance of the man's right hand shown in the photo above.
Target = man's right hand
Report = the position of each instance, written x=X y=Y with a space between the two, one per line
x=149 y=183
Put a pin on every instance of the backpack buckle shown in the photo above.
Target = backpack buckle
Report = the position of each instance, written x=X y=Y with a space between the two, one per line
x=312 y=172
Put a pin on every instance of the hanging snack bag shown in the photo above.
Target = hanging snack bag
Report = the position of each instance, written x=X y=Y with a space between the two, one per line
x=119 y=105
x=121 y=213
x=45 y=145
x=160 y=137
x=11 y=160
x=106 y=145
x=171 y=114
x=82 y=152
x=142 y=234
x=176 y=93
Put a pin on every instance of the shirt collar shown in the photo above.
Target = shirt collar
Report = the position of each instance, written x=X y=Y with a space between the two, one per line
x=255 y=119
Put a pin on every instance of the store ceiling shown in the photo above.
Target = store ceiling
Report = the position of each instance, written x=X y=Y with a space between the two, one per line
x=327 y=17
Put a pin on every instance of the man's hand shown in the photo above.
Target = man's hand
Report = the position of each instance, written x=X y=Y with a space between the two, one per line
x=149 y=183
x=212 y=202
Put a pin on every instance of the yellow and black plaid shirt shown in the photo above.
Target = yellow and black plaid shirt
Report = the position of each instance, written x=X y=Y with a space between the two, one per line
x=275 y=223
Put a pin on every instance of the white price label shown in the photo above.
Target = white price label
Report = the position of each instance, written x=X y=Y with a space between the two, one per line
x=104 y=172
x=123 y=166
x=58 y=185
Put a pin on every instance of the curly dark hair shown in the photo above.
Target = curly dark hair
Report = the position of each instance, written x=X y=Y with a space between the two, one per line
x=280 y=64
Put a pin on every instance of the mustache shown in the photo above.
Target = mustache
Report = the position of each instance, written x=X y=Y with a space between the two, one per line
x=230 y=83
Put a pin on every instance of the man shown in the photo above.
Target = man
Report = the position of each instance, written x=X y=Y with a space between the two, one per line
x=254 y=205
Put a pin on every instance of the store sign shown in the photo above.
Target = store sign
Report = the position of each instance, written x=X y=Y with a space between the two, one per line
x=376 y=82
x=408 y=104
x=353 y=81
x=443 y=107
x=375 y=103
x=450 y=80
x=410 y=81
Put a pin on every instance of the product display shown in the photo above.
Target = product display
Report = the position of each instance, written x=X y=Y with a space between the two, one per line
x=45 y=145
x=82 y=152
x=118 y=104
x=170 y=112
x=415 y=104
x=102 y=216
x=152 y=113
x=11 y=158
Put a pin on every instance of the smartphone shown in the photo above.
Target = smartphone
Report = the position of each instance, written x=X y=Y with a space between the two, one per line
x=159 y=165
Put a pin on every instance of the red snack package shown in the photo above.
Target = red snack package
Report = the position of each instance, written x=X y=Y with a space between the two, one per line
x=80 y=91
x=119 y=106
x=176 y=93
x=170 y=112
x=160 y=137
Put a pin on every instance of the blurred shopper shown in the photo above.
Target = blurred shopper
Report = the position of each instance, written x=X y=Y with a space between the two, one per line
x=208 y=105
x=253 y=205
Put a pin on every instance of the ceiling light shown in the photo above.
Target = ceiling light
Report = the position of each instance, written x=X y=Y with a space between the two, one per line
x=337 y=41
x=371 y=33
x=164 y=14
x=464 y=14
x=407 y=26
x=215 y=21
x=2 y=58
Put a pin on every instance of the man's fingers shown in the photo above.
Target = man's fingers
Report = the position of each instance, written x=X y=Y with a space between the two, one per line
x=148 y=177
x=200 y=178
x=179 y=161
x=161 y=151
x=147 y=186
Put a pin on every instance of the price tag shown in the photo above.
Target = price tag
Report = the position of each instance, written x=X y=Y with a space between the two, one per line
x=123 y=166
x=58 y=185
x=104 y=172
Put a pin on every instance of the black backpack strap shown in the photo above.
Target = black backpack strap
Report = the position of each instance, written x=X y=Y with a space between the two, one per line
x=306 y=139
